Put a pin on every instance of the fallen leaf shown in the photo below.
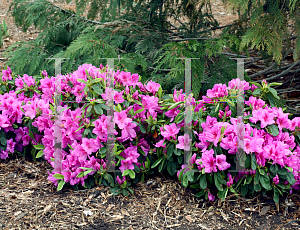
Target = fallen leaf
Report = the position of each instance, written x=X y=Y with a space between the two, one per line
x=116 y=217
x=124 y=212
x=189 y=218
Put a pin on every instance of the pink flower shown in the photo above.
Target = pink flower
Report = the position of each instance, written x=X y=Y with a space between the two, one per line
x=89 y=145
x=253 y=87
x=6 y=74
x=121 y=119
x=210 y=196
x=10 y=145
x=177 y=97
x=29 y=80
x=150 y=103
x=266 y=118
x=126 y=164
x=108 y=95
x=294 y=122
x=3 y=121
x=132 y=152
x=152 y=87
x=218 y=91
x=172 y=113
x=208 y=161
x=44 y=73
x=3 y=154
x=238 y=84
x=128 y=132
x=118 y=97
x=221 y=162
x=276 y=180
x=214 y=134
x=120 y=182
x=184 y=167
x=184 y=142
x=160 y=144
x=170 y=131
x=192 y=160
x=19 y=83
x=230 y=180
x=283 y=122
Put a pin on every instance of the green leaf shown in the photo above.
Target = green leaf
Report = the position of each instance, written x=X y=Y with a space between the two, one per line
x=39 y=146
x=194 y=116
x=222 y=194
x=271 y=99
x=60 y=185
x=274 y=83
x=190 y=175
x=256 y=178
x=170 y=150
x=159 y=92
x=291 y=178
x=97 y=88
x=157 y=162
x=276 y=196
x=82 y=81
x=98 y=109
x=261 y=171
x=39 y=154
x=217 y=181
x=175 y=105
x=79 y=128
x=118 y=108
x=131 y=174
x=58 y=176
x=257 y=91
x=3 y=139
x=199 y=194
x=244 y=190
x=161 y=166
x=185 y=181
x=274 y=92
x=253 y=162
x=203 y=182
x=257 y=188
x=142 y=128
x=273 y=130
x=138 y=111
x=282 y=171
x=274 y=168
x=171 y=167
x=177 y=152
x=265 y=181
x=126 y=172
x=179 y=118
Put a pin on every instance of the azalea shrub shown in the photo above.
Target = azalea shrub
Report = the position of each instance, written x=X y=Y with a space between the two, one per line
x=149 y=133
x=270 y=143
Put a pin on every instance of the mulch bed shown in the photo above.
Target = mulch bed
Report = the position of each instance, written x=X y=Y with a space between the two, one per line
x=29 y=201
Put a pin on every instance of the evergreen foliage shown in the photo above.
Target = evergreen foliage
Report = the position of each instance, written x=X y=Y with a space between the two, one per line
x=143 y=33
x=267 y=29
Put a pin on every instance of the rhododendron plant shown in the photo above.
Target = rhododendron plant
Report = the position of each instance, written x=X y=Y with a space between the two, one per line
x=150 y=133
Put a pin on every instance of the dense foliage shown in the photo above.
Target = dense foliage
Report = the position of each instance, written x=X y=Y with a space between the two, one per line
x=148 y=35
x=149 y=132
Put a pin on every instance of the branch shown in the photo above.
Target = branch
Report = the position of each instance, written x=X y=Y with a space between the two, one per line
x=186 y=39
x=282 y=73
x=107 y=24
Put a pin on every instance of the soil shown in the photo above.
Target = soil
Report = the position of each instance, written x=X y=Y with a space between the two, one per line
x=29 y=201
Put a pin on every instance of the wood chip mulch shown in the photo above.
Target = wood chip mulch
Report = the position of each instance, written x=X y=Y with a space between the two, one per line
x=29 y=201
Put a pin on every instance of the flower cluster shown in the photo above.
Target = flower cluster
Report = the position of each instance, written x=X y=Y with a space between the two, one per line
x=142 y=121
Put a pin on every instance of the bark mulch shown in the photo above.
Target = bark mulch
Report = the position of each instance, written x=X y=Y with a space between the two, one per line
x=29 y=201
